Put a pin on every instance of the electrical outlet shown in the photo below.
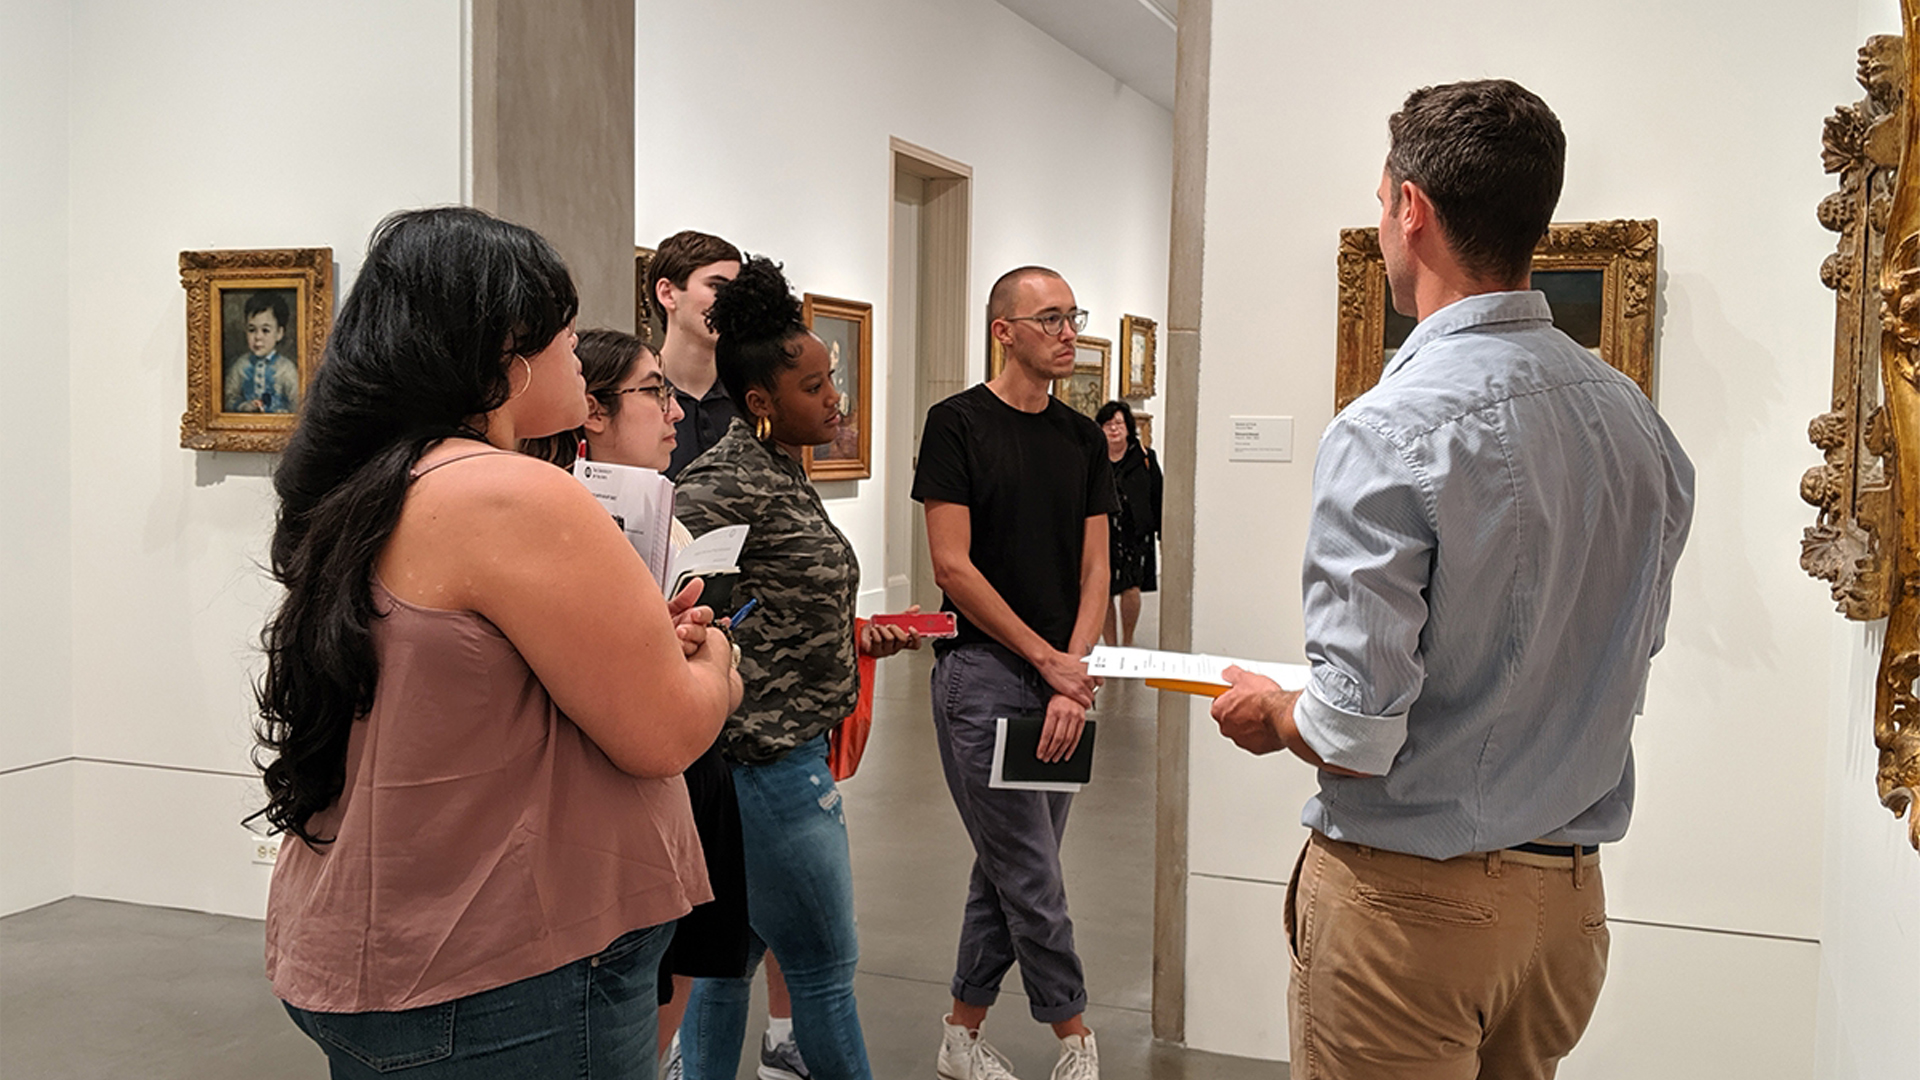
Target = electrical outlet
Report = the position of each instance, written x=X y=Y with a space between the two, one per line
x=263 y=850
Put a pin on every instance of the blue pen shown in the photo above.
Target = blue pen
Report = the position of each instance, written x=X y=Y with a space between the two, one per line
x=733 y=622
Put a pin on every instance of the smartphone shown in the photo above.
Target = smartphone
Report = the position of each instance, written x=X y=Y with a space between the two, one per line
x=935 y=624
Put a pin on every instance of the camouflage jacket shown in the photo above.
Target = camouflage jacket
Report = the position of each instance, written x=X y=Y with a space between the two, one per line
x=797 y=659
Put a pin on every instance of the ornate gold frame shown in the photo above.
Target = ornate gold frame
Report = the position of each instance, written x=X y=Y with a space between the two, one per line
x=1866 y=540
x=1086 y=367
x=854 y=311
x=205 y=275
x=648 y=326
x=1624 y=249
x=1144 y=388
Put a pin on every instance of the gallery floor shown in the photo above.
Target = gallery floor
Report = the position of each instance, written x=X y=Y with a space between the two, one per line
x=92 y=988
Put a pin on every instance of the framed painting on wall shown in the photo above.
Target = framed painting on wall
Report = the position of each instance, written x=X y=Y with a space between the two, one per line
x=256 y=327
x=1143 y=426
x=845 y=327
x=1086 y=389
x=1136 y=356
x=648 y=325
x=1598 y=277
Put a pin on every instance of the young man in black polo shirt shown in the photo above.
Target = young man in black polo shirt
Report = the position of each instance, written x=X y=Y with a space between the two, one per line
x=1017 y=488
x=680 y=281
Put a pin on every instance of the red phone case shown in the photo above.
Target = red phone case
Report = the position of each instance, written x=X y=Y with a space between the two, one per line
x=929 y=624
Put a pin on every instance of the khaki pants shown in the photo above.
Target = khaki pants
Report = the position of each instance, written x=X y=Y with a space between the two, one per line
x=1483 y=966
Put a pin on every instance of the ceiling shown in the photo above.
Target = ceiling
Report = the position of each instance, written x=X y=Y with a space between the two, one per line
x=1132 y=40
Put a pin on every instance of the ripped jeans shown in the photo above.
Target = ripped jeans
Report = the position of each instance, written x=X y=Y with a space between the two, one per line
x=800 y=905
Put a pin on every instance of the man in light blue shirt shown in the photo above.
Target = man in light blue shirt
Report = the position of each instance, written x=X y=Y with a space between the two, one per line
x=1487 y=578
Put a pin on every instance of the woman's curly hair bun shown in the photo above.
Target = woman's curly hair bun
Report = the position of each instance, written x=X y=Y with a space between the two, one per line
x=756 y=305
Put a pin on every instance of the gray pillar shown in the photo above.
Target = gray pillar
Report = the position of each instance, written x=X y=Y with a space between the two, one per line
x=552 y=138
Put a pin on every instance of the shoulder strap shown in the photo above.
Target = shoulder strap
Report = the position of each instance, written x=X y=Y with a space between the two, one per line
x=418 y=472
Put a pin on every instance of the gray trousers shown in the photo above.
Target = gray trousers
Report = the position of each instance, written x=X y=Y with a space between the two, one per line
x=1017 y=897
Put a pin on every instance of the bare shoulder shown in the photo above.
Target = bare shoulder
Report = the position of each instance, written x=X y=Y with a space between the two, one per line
x=467 y=521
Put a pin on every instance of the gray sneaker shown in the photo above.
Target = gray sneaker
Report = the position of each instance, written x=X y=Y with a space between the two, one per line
x=781 y=1062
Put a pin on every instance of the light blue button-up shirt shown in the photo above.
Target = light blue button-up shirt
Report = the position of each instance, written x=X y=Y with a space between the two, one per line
x=1488 y=571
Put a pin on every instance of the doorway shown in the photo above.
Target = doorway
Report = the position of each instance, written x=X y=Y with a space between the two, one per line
x=929 y=242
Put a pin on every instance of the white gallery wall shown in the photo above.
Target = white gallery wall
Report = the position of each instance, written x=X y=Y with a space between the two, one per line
x=36 y=527
x=1738 y=870
x=136 y=598
x=133 y=585
x=769 y=123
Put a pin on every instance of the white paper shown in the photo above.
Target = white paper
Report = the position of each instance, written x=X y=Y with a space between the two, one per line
x=716 y=552
x=998 y=777
x=641 y=500
x=1109 y=662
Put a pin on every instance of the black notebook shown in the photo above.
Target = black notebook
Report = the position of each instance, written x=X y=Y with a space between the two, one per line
x=1015 y=764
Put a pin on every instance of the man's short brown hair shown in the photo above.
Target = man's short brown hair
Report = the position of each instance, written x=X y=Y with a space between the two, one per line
x=679 y=256
x=1000 y=299
x=1491 y=157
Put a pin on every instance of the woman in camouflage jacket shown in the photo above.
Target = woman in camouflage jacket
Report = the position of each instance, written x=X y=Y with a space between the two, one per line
x=798 y=656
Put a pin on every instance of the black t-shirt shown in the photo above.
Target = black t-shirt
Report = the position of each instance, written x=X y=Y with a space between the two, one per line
x=705 y=422
x=1030 y=481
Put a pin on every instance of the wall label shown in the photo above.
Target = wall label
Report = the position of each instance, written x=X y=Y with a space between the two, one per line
x=1261 y=438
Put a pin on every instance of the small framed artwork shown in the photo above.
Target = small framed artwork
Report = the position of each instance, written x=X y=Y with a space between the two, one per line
x=845 y=327
x=1136 y=356
x=256 y=326
x=1598 y=277
x=996 y=356
x=1143 y=424
x=1086 y=389
x=648 y=326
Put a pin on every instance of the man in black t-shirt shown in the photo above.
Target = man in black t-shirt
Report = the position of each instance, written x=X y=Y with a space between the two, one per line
x=1017 y=488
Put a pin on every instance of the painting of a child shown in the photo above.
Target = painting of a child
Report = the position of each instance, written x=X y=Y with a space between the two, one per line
x=263 y=379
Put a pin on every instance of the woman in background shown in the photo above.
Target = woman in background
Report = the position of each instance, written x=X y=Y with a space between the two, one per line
x=476 y=731
x=631 y=413
x=798 y=665
x=1134 y=527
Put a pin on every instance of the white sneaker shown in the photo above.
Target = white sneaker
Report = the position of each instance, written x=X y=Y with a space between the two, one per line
x=1079 y=1059
x=964 y=1055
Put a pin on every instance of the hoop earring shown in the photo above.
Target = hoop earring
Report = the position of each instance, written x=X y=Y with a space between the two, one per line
x=511 y=392
x=763 y=428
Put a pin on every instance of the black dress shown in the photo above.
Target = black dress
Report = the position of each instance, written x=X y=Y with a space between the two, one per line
x=1133 y=529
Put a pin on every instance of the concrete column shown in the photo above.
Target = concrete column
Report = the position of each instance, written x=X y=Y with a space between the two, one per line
x=552 y=138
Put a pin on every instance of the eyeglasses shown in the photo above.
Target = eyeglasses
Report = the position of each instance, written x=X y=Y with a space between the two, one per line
x=1051 y=322
x=662 y=392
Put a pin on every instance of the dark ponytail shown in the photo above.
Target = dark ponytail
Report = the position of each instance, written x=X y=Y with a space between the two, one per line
x=757 y=318
x=419 y=353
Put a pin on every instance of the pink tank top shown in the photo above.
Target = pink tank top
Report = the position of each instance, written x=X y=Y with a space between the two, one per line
x=481 y=837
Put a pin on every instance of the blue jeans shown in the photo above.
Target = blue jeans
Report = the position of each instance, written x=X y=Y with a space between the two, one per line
x=595 y=1017
x=800 y=904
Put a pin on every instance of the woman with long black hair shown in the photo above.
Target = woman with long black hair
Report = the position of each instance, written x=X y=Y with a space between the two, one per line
x=477 y=705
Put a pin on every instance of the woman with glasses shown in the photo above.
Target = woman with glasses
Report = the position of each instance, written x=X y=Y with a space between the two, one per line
x=799 y=654
x=631 y=413
x=1133 y=528
x=474 y=729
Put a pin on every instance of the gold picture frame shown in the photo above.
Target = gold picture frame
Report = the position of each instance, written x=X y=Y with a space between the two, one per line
x=845 y=326
x=1143 y=426
x=1137 y=347
x=1605 y=269
x=648 y=325
x=996 y=355
x=1867 y=539
x=280 y=299
x=1085 y=390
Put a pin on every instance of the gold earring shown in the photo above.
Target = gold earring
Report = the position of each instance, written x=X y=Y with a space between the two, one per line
x=511 y=392
x=763 y=428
